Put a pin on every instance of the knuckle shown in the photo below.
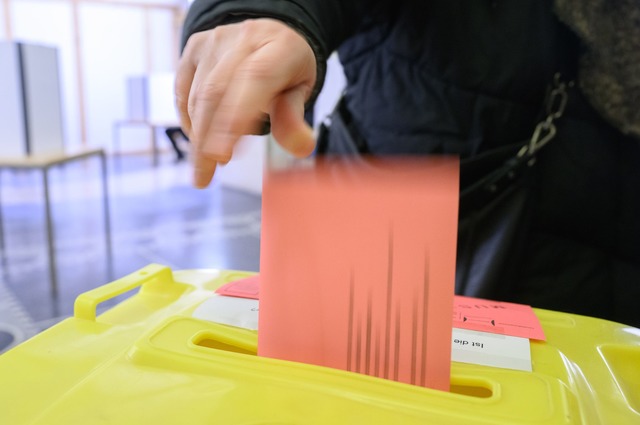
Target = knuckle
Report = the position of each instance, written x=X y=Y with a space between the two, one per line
x=191 y=46
x=200 y=42
x=290 y=36
x=256 y=32
x=206 y=94
x=256 y=69
x=210 y=91
x=249 y=27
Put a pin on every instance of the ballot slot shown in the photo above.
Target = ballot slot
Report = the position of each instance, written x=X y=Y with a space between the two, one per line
x=473 y=387
x=240 y=341
x=208 y=342
x=208 y=339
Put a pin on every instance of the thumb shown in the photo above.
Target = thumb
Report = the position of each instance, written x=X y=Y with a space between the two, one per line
x=288 y=125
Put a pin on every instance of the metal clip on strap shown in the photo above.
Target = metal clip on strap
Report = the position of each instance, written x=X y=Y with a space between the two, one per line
x=546 y=129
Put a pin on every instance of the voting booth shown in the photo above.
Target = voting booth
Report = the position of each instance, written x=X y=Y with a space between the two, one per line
x=156 y=357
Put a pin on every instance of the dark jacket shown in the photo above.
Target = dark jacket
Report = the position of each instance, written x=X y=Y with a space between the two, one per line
x=461 y=77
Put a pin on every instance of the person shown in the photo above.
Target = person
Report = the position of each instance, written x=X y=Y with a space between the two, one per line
x=175 y=134
x=448 y=77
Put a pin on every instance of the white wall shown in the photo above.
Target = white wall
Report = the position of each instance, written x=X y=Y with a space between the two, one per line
x=41 y=76
x=113 y=47
x=108 y=61
x=3 y=28
x=164 y=46
x=162 y=105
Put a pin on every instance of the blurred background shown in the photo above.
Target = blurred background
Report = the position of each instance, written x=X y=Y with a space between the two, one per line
x=91 y=188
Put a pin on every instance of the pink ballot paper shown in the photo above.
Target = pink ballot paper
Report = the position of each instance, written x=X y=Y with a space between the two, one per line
x=496 y=317
x=358 y=266
x=249 y=287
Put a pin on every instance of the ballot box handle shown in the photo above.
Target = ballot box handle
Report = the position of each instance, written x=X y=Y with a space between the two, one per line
x=154 y=277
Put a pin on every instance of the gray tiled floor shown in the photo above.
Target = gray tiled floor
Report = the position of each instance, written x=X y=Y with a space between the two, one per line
x=156 y=217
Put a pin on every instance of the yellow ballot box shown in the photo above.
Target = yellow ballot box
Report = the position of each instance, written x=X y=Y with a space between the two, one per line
x=151 y=359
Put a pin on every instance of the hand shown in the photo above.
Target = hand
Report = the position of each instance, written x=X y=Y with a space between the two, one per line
x=231 y=77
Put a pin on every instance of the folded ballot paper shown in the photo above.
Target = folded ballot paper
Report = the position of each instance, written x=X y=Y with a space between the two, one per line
x=358 y=266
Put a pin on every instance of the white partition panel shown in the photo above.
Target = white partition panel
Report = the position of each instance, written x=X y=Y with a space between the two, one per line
x=11 y=107
x=43 y=105
x=137 y=102
x=50 y=22
x=30 y=105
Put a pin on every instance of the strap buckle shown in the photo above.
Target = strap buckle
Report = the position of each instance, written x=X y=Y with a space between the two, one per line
x=545 y=131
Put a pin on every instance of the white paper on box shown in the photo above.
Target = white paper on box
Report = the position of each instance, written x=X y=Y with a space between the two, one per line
x=489 y=349
x=240 y=312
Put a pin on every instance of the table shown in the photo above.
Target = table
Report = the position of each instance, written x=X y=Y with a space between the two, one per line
x=44 y=163
x=151 y=125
